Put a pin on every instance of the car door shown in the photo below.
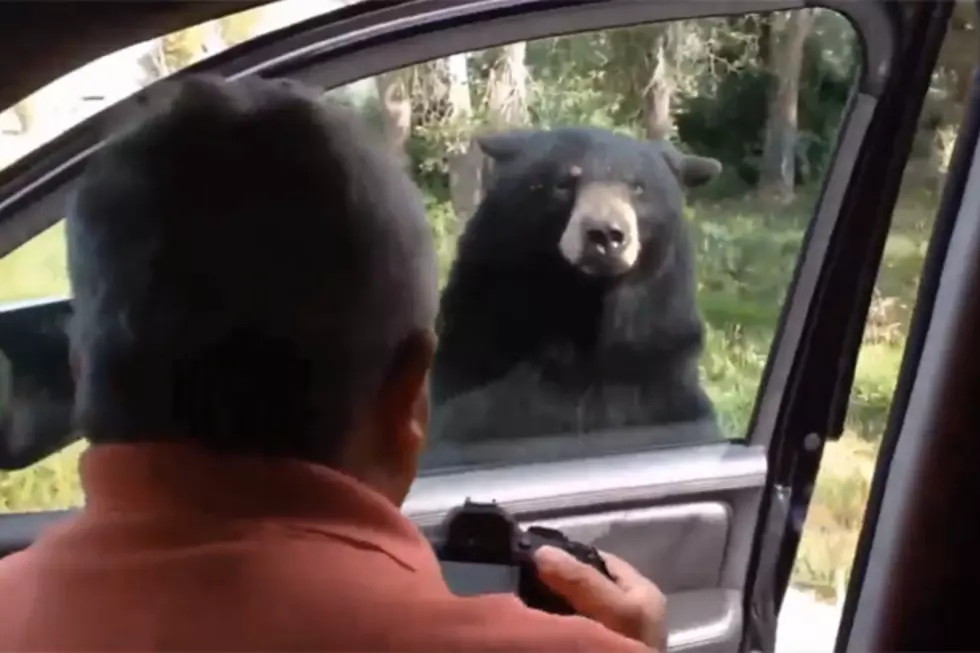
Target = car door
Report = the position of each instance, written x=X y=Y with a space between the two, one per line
x=711 y=510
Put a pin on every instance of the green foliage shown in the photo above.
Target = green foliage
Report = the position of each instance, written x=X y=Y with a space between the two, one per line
x=720 y=101
x=822 y=99
x=573 y=64
x=444 y=225
x=707 y=124
x=729 y=122
x=37 y=269
x=52 y=484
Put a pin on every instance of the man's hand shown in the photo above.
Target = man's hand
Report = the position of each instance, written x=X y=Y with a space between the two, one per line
x=632 y=605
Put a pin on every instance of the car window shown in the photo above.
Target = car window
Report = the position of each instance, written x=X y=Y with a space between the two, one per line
x=633 y=201
x=533 y=363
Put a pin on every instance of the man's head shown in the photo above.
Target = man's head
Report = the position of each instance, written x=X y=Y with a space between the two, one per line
x=253 y=273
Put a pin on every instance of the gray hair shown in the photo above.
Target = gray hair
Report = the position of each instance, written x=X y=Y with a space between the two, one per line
x=246 y=257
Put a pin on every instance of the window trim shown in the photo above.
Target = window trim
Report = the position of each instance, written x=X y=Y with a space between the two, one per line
x=540 y=488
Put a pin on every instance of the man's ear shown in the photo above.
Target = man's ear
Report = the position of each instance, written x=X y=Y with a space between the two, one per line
x=691 y=170
x=505 y=146
x=406 y=385
x=386 y=455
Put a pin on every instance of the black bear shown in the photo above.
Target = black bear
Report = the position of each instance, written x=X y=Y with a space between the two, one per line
x=571 y=305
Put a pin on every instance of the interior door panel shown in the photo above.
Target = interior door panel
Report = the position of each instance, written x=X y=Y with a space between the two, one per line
x=683 y=546
x=706 y=621
x=678 y=515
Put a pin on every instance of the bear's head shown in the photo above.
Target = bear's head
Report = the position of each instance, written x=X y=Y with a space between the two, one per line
x=605 y=202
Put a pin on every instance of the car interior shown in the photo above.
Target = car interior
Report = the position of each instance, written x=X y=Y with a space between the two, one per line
x=714 y=520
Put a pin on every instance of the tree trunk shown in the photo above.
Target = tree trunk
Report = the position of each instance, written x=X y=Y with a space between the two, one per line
x=24 y=112
x=507 y=88
x=506 y=99
x=657 y=120
x=787 y=37
x=464 y=156
x=958 y=54
x=188 y=46
x=943 y=110
x=639 y=76
x=214 y=40
x=242 y=26
x=765 y=42
x=153 y=64
x=396 y=110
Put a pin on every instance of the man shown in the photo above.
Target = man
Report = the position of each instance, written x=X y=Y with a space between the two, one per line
x=254 y=291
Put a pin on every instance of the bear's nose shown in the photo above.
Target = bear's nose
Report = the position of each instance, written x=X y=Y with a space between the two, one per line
x=605 y=238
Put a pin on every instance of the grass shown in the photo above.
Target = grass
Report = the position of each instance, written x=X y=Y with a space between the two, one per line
x=746 y=255
x=823 y=561
x=37 y=268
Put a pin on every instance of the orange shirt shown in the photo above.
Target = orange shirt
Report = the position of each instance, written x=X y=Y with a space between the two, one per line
x=179 y=550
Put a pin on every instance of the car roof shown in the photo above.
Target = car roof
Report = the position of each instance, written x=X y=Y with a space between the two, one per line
x=41 y=41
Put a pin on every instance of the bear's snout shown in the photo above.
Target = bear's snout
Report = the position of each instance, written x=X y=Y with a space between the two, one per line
x=602 y=236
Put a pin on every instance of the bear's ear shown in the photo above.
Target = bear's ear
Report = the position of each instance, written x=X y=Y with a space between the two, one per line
x=505 y=146
x=691 y=170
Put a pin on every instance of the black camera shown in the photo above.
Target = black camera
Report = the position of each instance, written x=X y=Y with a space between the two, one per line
x=482 y=549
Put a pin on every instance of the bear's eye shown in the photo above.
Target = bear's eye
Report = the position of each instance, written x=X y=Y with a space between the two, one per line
x=636 y=187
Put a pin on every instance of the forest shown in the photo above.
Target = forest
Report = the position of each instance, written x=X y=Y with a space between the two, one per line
x=765 y=94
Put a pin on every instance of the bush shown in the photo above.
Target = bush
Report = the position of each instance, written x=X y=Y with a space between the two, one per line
x=730 y=124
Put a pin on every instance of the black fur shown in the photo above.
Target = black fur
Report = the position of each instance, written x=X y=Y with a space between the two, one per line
x=528 y=344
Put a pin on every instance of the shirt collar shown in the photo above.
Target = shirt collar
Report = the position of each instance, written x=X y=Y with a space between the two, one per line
x=181 y=479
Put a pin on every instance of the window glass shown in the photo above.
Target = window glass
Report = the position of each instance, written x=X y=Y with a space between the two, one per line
x=537 y=339
x=625 y=292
